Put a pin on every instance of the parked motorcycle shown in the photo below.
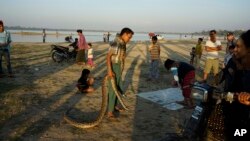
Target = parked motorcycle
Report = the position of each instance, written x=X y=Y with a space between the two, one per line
x=60 y=53
x=207 y=119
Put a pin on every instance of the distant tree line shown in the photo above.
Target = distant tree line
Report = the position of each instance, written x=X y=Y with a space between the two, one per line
x=50 y=29
x=33 y=28
x=221 y=32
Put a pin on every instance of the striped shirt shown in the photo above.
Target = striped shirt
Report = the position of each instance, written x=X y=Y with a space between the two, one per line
x=154 y=50
x=118 y=49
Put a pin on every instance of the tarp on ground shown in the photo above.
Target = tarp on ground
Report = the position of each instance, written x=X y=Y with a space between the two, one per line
x=166 y=98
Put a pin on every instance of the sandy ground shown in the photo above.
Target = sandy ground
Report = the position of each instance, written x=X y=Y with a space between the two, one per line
x=33 y=103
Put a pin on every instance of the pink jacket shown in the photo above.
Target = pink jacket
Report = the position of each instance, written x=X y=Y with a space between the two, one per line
x=82 y=44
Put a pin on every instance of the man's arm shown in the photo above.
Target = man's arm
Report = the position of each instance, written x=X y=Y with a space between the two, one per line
x=159 y=50
x=4 y=44
x=150 y=47
x=110 y=71
x=200 y=53
x=212 y=49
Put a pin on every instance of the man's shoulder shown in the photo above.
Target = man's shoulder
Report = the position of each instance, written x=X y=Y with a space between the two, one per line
x=208 y=41
x=218 y=42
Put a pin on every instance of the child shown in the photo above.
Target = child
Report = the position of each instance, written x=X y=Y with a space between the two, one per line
x=154 y=50
x=192 y=54
x=90 y=56
x=198 y=53
x=85 y=82
x=229 y=69
x=185 y=77
x=229 y=55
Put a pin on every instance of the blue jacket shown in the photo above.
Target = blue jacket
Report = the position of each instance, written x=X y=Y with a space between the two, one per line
x=5 y=38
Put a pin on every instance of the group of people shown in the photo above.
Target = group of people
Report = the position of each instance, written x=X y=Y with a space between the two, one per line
x=236 y=72
x=115 y=66
x=236 y=68
x=106 y=37
x=84 y=48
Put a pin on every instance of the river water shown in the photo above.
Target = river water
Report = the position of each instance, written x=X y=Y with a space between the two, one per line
x=52 y=36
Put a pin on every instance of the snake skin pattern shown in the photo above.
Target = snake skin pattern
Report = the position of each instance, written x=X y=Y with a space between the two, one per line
x=103 y=105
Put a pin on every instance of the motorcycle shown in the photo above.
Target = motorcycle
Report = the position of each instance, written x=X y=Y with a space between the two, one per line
x=207 y=120
x=60 y=53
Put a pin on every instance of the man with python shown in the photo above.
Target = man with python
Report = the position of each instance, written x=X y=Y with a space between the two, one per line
x=111 y=85
x=115 y=63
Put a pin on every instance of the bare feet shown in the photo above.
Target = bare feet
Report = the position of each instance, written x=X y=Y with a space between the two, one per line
x=111 y=116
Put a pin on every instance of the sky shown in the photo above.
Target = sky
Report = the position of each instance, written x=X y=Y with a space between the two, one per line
x=139 y=15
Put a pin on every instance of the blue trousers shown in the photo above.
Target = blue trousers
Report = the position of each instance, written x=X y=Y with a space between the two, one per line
x=6 y=54
x=154 y=69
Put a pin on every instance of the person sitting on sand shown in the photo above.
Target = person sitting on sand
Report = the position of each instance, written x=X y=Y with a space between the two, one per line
x=85 y=82
x=186 y=76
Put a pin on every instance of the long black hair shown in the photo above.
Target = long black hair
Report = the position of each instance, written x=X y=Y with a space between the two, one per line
x=246 y=38
x=168 y=63
x=84 y=76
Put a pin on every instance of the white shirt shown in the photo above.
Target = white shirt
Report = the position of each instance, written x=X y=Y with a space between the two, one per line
x=90 y=53
x=213 y=54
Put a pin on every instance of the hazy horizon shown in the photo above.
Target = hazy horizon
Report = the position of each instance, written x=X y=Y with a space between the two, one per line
x=140 y=15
